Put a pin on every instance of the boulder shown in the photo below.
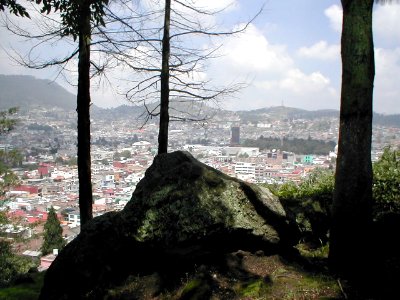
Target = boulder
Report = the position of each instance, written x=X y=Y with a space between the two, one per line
x=180 y=212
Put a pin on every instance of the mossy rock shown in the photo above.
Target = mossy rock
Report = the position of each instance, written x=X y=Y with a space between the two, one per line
x=180 y=212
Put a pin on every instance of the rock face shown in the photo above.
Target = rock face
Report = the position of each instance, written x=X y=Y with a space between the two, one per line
x=181 y=211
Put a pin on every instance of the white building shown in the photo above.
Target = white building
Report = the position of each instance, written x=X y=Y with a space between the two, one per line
x=245 y=168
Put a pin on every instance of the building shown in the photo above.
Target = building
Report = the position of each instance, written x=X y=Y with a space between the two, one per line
x=73 y=217
x=235 y=137
x=245 y=168
x=308 y=159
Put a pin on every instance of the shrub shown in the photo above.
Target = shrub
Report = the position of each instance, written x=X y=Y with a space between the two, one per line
x=386 y=183
x=308 y=204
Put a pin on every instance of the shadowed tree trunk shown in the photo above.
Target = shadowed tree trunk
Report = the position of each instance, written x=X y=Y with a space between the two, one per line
x=352 y=205
x=83 y=109
x=164 y=103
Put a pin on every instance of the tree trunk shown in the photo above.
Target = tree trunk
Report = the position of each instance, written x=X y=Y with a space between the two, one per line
x=352 y=204
x=83 y=109
x=164 y=102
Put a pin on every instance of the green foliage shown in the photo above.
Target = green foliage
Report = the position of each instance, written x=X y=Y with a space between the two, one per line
x=8 y=271
x=71 y=12
x=7 y=124
x=118 y=155
x=3 y=218
x=8 y=158
x=52 y=233
x=35 y=126
x=73 y=161
x=126 y=154
x=59 y=160
x=308 y=204
x=104 y=161
x=254 y=289
x=386 y=184
x=318 y=186
x=28 y=290
x=298 y=146
x=11 y=265
x=14 y=8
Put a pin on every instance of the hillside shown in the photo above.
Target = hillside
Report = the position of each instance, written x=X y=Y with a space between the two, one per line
x=270 y=114
x=28 y=91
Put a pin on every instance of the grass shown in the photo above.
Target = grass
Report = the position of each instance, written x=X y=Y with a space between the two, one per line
x=26 y=290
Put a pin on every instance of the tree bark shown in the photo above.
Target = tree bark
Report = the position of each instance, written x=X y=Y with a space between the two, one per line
x=352 y=204
x=164 y=101
x=83 y=110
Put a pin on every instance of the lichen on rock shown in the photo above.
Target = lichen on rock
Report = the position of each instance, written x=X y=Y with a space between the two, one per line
x=180 y=211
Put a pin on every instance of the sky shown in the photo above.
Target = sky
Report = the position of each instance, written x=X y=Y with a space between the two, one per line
x=289 y=55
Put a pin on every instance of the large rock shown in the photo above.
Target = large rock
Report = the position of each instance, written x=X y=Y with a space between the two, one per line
x=181 y=211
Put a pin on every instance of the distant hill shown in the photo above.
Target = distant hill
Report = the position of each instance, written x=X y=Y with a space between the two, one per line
x=387 y=120
x=270 y=114
x=28 y=91
x=177 y=109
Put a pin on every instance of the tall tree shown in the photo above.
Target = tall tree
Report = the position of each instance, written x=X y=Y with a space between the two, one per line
x=76 y=17
x=52 y=233
x=164 y=97
x=176 y=80
x=352 y=205
x=83 y=109
x=77 y=20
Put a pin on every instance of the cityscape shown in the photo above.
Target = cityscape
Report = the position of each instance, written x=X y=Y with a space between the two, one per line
x=123 y=148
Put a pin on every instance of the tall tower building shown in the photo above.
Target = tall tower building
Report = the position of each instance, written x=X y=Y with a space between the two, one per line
x=235 y=137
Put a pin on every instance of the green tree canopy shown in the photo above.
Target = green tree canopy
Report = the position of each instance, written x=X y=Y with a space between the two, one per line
x=14 y=7
x=8 y=158
x=386 y=182
x=52 y=233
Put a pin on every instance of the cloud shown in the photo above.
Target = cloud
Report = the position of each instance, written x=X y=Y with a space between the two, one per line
x=386 y=90
x=335 y=16
x=275 y=76
x=213 y=5
x=251 y=51
x=386 y=21
x=320 y=50
x=302 y=84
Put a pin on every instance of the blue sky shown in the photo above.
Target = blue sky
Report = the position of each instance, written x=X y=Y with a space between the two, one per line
x=290 y=55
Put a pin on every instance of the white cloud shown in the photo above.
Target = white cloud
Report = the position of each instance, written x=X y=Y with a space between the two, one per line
x=213 y=5
x=296 y=85
x=335 y=15
x=386 y=27
x=251 y=51
x=386 y=87
x=386 y=21
x=320 y=50
x=274 y=73
x=300 y=83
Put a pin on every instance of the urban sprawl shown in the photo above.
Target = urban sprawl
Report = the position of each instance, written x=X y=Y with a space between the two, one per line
x=122 y=150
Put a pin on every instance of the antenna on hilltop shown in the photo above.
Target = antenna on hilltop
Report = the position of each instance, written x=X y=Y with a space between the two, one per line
x=283 y=103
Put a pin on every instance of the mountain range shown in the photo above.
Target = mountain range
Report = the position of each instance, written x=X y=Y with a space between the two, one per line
x=29 y=92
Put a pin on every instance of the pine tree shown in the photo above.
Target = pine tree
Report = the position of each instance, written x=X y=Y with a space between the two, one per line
x=52 y=233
